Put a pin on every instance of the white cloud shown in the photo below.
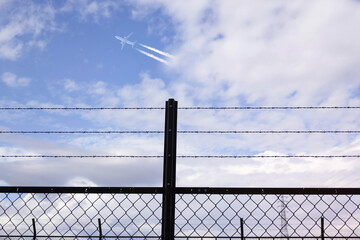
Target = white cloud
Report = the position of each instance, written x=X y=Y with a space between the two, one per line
x=70 y=85
x=299 y=52
x=99 y=88
x=80 y=182
x=232 y=53
x=11 y=80
x=143 y=93
x=239 y=172
x=91 y=9
x=3 y=183
x=21 y=27
x=78 y=171
x=265 y=53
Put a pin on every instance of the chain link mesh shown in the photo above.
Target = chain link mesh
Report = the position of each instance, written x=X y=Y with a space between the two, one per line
x=219 y=216
x=197 y=216
x=64 y=216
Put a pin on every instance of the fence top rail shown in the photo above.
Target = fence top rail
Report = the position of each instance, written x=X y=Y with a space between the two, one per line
x=182 y=190
x=100 y=190
x=259 y=191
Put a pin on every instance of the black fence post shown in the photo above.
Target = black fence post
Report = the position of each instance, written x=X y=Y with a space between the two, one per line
x=100 y=229
x=322 y=229
x=169 y=177
x=34 y=229
x=242 y=228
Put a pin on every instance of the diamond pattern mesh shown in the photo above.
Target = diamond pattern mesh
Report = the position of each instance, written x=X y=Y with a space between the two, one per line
x=214 y=215
x=70 y=215
x=197 y=216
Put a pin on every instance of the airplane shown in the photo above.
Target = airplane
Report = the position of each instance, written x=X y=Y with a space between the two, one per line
x=125 y=40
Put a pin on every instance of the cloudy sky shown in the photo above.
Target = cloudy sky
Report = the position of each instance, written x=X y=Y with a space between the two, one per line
x=202 y=53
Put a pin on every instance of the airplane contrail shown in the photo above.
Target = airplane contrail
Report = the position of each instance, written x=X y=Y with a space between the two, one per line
x=157 y=51
x=152 y=56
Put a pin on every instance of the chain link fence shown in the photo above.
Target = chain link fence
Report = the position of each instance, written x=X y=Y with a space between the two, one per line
x=80 y=216
x=129 y=214
x=267 y=216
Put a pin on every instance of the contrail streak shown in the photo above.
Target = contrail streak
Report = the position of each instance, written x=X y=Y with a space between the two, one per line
x=157 y=51
x=152 y=56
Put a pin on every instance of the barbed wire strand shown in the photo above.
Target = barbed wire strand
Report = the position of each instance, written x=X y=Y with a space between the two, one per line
x=81 y=156
x=180 y=156
x=266 y=131
x=269 y=108
x=268 y=156
x=82 y=108
x=80 y=132
x=184 y=108
x=186 y=132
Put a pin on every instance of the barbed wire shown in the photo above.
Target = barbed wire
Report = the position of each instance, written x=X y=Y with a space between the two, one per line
x=180 y=156
x=81 y=132
x=80 y=156
x=266 y=131
x=269 y=108
x=268 y=156
x=82 y=108
x=184 y=108
x=186 y=132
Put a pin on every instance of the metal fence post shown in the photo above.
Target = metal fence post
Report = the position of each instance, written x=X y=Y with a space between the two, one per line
x=34 y=229
x=322 y=229
x=169 y=177
x=100 y=229
x=242 y=228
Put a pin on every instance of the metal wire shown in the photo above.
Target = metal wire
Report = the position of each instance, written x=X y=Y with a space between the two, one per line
x=245 y=215
x=182 y=108
x=80 y=132
x=268 y=156
x=180 y=156
x=80 y=156
x=268 y=131
x=187 y=132
x=267 y=108
x=82 y=108
x=210 y=215
x=71 y=216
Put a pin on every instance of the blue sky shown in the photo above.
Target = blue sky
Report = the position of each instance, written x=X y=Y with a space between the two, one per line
x=224 y=53
x=81 y=48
